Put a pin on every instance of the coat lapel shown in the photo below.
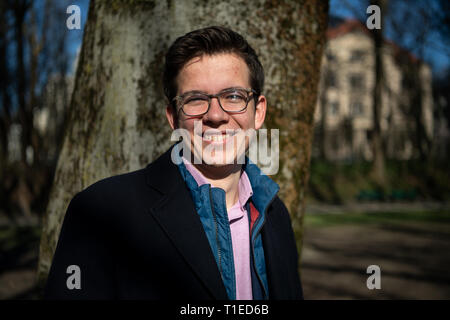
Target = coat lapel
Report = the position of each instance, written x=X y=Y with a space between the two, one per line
x=176 y=215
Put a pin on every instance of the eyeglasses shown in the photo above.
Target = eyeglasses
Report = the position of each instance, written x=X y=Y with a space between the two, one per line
x=197 y=103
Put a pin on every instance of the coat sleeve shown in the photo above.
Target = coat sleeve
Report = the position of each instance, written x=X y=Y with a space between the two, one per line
x=294 y=258
x=83 y=263
x=293 y=288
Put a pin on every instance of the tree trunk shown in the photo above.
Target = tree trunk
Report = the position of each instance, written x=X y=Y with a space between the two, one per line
x=5 y=109
x=117 y=121
x=20 y=10
x=377 y=142
x=323 y=120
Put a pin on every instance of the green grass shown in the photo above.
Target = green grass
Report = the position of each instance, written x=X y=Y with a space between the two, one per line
x=321 y=220
x=334 y=182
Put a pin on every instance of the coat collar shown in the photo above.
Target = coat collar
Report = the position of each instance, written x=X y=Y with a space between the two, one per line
x=176 y=214
x=162 y=174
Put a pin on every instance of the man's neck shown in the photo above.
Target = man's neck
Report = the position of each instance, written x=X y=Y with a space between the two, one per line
x=224 y=177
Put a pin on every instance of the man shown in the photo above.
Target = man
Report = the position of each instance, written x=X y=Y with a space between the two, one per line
x=196 y=223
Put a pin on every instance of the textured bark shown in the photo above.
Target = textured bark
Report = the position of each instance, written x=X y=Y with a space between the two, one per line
x=20 y=9
x=117 y=121
x=379 y=170
x=5 y=112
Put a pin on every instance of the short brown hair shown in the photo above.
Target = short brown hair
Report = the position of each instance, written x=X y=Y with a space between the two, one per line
x=210 y=41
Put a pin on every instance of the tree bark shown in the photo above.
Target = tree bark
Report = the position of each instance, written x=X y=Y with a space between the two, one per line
x=379 y=170
x=20 y=9
x=117 y=121
x=323 y=119
x=5 y=109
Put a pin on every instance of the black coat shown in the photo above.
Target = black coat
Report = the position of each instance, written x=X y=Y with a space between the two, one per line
x=138 y=236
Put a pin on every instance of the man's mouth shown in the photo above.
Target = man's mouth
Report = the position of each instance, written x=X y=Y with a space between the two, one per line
x=218 y=136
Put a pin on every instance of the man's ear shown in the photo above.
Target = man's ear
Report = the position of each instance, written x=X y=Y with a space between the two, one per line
x=171 y=117
x=260 y=111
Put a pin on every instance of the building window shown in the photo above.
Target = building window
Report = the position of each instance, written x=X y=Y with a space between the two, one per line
x=407 y=82
x=357 y=55
x=334 y=108
x=357 y=109
x=356 y=81
x=330 y=57
x=330 y=79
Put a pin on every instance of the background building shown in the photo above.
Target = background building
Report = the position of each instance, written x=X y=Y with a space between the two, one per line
x=344 y=113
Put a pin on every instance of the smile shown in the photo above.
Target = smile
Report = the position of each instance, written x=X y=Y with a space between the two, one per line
x=218 y=136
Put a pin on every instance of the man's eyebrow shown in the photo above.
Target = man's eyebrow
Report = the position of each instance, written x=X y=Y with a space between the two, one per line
x=193 y=92
x=202 y=92
x=233 y=88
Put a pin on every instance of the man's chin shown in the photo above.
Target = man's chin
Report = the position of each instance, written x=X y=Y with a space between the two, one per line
x=219 y=162
x=215 y=158
x=223 y=159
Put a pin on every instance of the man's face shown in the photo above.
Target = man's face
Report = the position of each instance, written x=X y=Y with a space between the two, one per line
x=211 y=75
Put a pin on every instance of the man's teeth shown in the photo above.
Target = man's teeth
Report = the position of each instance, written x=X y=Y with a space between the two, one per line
x=216 y=137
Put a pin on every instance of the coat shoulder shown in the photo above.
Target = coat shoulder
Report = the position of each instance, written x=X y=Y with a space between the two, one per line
x=116 y=186
x=113 y=194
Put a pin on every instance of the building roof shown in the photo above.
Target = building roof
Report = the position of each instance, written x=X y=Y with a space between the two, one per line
x=345 y=27
x=341 y=27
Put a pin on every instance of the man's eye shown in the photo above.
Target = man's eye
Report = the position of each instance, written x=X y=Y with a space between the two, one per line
x=234 y=97
x=195 y=100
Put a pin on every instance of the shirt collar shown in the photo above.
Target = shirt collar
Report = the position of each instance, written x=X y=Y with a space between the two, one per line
x=245 y=190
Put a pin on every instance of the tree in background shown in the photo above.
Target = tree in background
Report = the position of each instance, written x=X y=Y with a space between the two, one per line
x=117 y=109
x=379 y=169
x=441 y=93
x=33 y=50
x=434 y=21
x=419 y=29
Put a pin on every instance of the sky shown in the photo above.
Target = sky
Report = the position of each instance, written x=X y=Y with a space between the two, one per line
x=433 y=55
x=76 y=36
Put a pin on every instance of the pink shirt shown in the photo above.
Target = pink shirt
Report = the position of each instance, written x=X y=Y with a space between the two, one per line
x=240 y=237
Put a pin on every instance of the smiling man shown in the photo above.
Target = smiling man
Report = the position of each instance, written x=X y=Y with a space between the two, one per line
x=206 y=227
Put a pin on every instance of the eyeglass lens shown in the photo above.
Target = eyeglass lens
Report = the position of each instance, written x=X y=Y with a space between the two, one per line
x=231 y=101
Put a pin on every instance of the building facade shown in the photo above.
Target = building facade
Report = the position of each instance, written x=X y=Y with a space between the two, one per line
x=344 y=111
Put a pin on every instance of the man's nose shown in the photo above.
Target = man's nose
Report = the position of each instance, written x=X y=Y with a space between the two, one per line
x=215 y=112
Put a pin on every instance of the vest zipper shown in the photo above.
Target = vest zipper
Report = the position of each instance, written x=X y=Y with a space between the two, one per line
x=253 y=246
x=219 y=252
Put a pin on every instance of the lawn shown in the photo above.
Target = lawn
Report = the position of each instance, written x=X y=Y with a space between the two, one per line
x=318 y=220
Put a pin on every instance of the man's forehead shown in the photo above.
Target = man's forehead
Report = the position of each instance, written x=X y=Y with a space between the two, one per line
x=229 y=68
x=223 y=56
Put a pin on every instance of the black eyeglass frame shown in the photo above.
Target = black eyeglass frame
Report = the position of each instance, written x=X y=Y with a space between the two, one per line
x=179 y=99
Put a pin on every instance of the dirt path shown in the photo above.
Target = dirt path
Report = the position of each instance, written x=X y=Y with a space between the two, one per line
x=414 y=259
x=19 y=247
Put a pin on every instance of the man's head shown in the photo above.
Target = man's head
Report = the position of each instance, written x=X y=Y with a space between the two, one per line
x=209 y=41
x=213 y=77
